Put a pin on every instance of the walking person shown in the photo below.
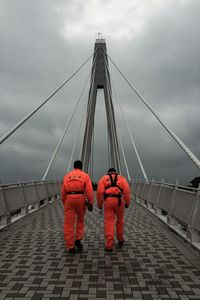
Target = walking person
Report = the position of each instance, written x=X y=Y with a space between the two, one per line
x=113 y=192
x=76 y=188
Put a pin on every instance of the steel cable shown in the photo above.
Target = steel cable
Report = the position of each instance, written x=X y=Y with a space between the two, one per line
x=18 y=125
x=189 y=153
x=64 y=132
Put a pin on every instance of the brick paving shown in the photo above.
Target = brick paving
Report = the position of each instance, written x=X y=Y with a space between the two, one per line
x=152 y=265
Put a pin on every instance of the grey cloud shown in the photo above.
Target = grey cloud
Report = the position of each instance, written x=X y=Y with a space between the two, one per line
x=162 y=61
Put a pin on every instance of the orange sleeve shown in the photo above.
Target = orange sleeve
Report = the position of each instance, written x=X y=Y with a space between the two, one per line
x=63 y=193
x=100 y=193
x=89 y=189
x=126 y=192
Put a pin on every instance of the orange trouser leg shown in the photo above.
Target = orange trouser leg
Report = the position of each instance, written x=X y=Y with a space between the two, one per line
x=120 y=222
x=109 y=222
x=69 y=222
x=80 y=210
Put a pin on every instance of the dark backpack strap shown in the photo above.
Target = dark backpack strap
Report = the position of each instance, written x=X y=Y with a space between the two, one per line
x=114 y=184
x=115 y=180
x=112 y=181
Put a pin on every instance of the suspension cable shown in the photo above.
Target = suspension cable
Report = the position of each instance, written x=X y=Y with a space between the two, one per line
x=134 y=146
x=77 y=136
x=124 y=157
x=189 y=153
x=113 y=128
x=11 y=131
x=64 y=132
x=131 y=137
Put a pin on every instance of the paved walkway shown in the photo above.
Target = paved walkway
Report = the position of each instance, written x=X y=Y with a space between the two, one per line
x=152 y=265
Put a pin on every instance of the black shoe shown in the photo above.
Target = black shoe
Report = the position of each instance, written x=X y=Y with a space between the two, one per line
x=120 y=243
x=79 y=245
x=109 y=250
x=72 y=250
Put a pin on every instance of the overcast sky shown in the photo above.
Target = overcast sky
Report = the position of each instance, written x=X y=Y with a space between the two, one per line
x=155 y=43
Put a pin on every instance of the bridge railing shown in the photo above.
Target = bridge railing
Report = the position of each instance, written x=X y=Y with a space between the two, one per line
x=22 y=198
x=178 y=205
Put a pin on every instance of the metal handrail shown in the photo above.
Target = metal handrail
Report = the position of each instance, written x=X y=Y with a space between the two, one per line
x=178 y=203
x=21 y=198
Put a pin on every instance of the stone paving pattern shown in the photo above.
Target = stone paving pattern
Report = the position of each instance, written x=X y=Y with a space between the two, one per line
x=34 y=263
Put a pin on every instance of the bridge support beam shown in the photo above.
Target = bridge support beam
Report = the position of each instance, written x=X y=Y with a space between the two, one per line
x=100 y=79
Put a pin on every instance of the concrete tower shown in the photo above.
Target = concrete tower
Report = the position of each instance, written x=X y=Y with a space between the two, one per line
x=100 y=79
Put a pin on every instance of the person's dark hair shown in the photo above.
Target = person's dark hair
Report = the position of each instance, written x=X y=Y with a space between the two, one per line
x=111 y=170
x=78 y=164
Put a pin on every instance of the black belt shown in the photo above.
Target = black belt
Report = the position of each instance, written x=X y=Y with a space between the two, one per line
x=119 y=196
x=75 y=193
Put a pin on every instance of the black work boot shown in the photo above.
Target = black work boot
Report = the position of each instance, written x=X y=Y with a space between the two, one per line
x=72 y=250
x=109 y=250
x=79 y=245
x=121 y=243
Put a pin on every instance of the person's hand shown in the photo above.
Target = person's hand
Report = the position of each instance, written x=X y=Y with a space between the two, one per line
x=126 y=205
x=89 y=205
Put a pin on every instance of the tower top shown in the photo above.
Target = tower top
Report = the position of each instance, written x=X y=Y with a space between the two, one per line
x=100 y=39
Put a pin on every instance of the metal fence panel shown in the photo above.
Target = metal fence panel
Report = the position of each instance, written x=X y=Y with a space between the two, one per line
x=133 y=187
x=150 y=194
x=41 y=191
x=55 y=188
x=14 y=198
x=139 y=189
x=2 y=205
x=165 y=199
x=183 y=204
x=59 y=185
x=49 y=189
x=30 y=194
x=197 y=217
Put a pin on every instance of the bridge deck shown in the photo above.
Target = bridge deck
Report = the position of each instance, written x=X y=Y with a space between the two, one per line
x=152 y=264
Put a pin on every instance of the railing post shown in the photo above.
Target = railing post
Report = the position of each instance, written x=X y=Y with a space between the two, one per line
x=37 y=205
x=59 y=189
x=158 y=197
x=136 y=188
x=6 y=219
x=24 y=210
x=54 y=196
x=142 y=192
x=135 y=194
x=191 y=232
x=150 y=188
x=170 y=219
x=131 y=186
x=46 y=201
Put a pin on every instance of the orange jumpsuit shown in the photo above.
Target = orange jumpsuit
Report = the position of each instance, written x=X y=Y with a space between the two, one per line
x=76 y=188
x=112 y=205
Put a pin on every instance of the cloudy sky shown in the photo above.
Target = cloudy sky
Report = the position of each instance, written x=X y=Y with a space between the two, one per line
x=155 y=43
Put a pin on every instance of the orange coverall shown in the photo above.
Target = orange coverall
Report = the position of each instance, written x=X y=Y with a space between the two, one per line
x=74 y=204
x=111 y=206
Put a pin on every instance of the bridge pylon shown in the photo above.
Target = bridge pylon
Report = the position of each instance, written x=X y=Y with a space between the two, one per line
x=100 y=79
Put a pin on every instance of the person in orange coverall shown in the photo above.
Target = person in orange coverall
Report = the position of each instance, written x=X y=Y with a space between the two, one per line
x=76 y=188
x=113 y=191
